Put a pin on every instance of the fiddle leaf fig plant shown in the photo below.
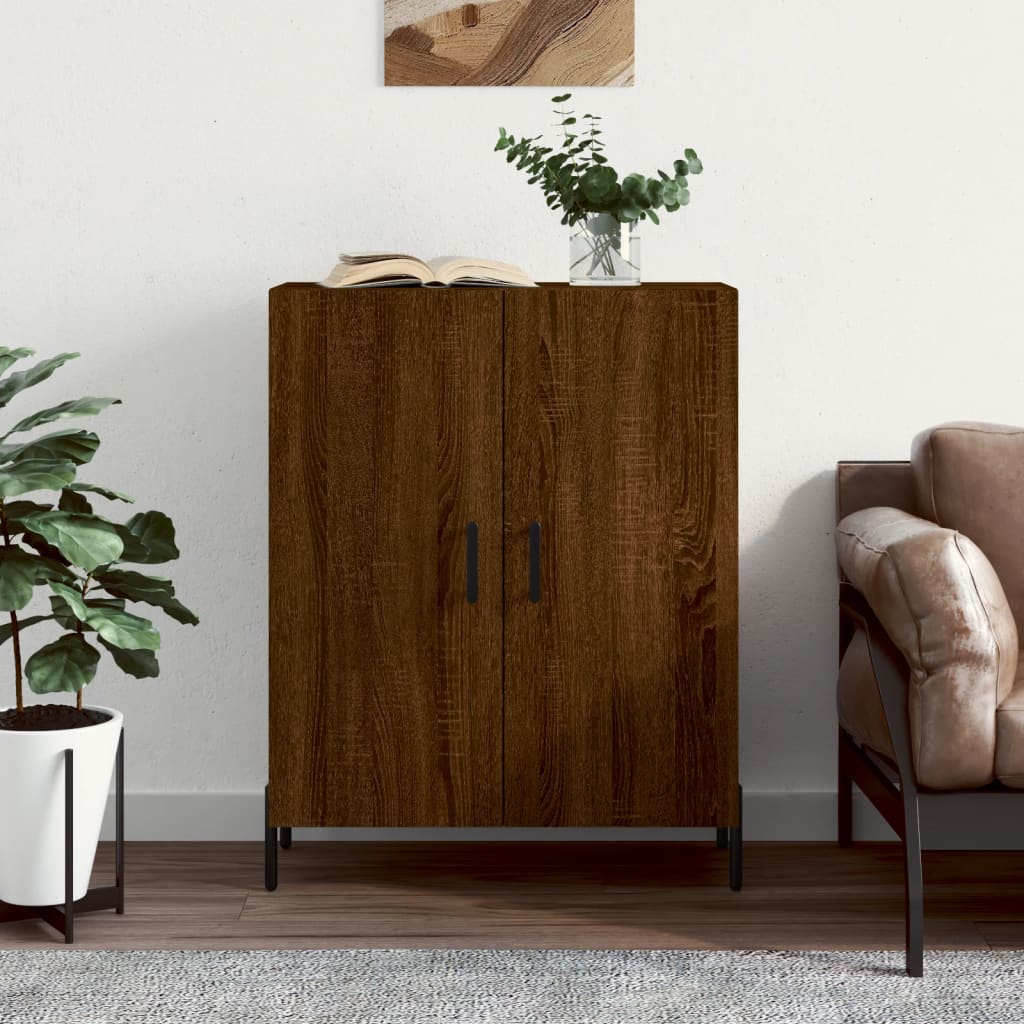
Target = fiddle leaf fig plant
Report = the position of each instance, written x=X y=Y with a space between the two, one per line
x=56 y=551
x=578 y=179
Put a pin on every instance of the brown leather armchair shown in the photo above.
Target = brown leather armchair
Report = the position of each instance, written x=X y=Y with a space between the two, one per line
x=931 y=685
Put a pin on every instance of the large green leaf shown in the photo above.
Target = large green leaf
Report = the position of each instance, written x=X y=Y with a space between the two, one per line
x=141 y=664
x=72 y=598
x=72 y=501
x=76 y=407
x=50 y=569
x=154 y=590
x=148 y=539
x=55 y=564
x=7 y=630
x=35 y=475
x=16 y=509
x=9 y=356
x=85 y=541
x=52 y=564
x=66 y=617
x=18 y=382
x=77 y=446
x=64 y=666
x=103 y=492
x=17 y=578
x=62 y=613
x=124 y=630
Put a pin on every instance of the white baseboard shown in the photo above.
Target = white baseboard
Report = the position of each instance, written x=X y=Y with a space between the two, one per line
x=771 y=816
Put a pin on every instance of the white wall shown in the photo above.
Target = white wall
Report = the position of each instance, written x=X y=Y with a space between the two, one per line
x=162 y=165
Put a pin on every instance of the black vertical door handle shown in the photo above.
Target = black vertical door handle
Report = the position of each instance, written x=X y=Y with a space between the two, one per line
x=535 y=562
x=472 y=563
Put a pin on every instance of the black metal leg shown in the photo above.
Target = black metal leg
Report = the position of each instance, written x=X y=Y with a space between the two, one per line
x=269 y=846
x=110 y=897
x=913 y=889
x=69 y=846
x=736 y=850
x=844 y=824
x=119 y=826
x=286 y=838
x=722 y=838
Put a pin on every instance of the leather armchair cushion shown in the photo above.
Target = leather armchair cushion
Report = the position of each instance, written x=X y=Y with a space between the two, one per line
x=970 y=477
x=940 y=601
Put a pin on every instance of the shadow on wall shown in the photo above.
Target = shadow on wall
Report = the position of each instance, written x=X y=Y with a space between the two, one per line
x=191 y=439
x=788 y=631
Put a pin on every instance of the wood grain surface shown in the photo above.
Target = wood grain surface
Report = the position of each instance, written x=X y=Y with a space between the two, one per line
x=509 y=42
x=607 y=417
x=620 y=440
x=542 y=895
x=385 y=442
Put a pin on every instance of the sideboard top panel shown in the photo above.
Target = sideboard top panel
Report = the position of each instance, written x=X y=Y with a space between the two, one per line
x=560 y=285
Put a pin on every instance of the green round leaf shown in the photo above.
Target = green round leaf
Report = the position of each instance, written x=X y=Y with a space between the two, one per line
x=633 y=185
x=35 y=475
x=72 y=501
x=72 y=598
x=141 y=664
x=77 y=446
x=153 y=590
x=122 y=629
x=84 y=540
x=64 y=666
x=598 y=182
x=148 y=539
x=18 y=574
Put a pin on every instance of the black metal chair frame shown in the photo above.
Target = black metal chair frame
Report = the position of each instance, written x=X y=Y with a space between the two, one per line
x=892 y=788
x=110 y=897
x=730 y=838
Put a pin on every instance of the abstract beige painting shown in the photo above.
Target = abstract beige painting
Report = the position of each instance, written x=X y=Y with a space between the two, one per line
x=508 y=42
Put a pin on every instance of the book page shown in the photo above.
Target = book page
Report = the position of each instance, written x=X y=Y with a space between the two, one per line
x=394 y=270
x=471 y=270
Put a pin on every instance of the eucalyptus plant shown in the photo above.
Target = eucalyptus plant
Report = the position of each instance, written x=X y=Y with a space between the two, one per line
x=579 y=180
x=58 y=548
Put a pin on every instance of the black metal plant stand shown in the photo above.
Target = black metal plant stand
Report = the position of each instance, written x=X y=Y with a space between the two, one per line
x=109 y=897
x=730 y=838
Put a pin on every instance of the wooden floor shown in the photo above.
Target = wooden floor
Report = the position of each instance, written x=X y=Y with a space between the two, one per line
x=562 y=895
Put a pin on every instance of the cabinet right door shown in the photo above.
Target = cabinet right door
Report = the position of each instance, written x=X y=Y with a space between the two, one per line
x=620 y=556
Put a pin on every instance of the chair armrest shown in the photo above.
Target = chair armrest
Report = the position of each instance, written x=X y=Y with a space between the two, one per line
x=938 y=622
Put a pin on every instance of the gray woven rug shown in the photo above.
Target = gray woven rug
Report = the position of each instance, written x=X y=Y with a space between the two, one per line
x=506 y=987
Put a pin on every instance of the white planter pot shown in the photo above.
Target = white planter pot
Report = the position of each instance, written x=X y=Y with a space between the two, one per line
x=32 y=808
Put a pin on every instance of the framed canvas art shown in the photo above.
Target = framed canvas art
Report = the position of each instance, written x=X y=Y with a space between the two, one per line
x=508 y=42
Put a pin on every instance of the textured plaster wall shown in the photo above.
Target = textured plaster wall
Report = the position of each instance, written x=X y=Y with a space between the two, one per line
x=163 y=164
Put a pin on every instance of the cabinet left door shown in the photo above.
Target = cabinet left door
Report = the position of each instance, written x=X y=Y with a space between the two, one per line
x=385 y=623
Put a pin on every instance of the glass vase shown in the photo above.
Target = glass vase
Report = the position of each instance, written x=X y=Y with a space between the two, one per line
x=603 y=251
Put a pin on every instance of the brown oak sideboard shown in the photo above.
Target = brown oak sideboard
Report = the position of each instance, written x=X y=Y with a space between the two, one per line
x=503 y=547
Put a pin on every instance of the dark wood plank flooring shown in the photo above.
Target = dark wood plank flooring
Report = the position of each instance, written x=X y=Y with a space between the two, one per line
x=557 y=895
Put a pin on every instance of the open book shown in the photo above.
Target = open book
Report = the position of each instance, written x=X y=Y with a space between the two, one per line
x=380 y=269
